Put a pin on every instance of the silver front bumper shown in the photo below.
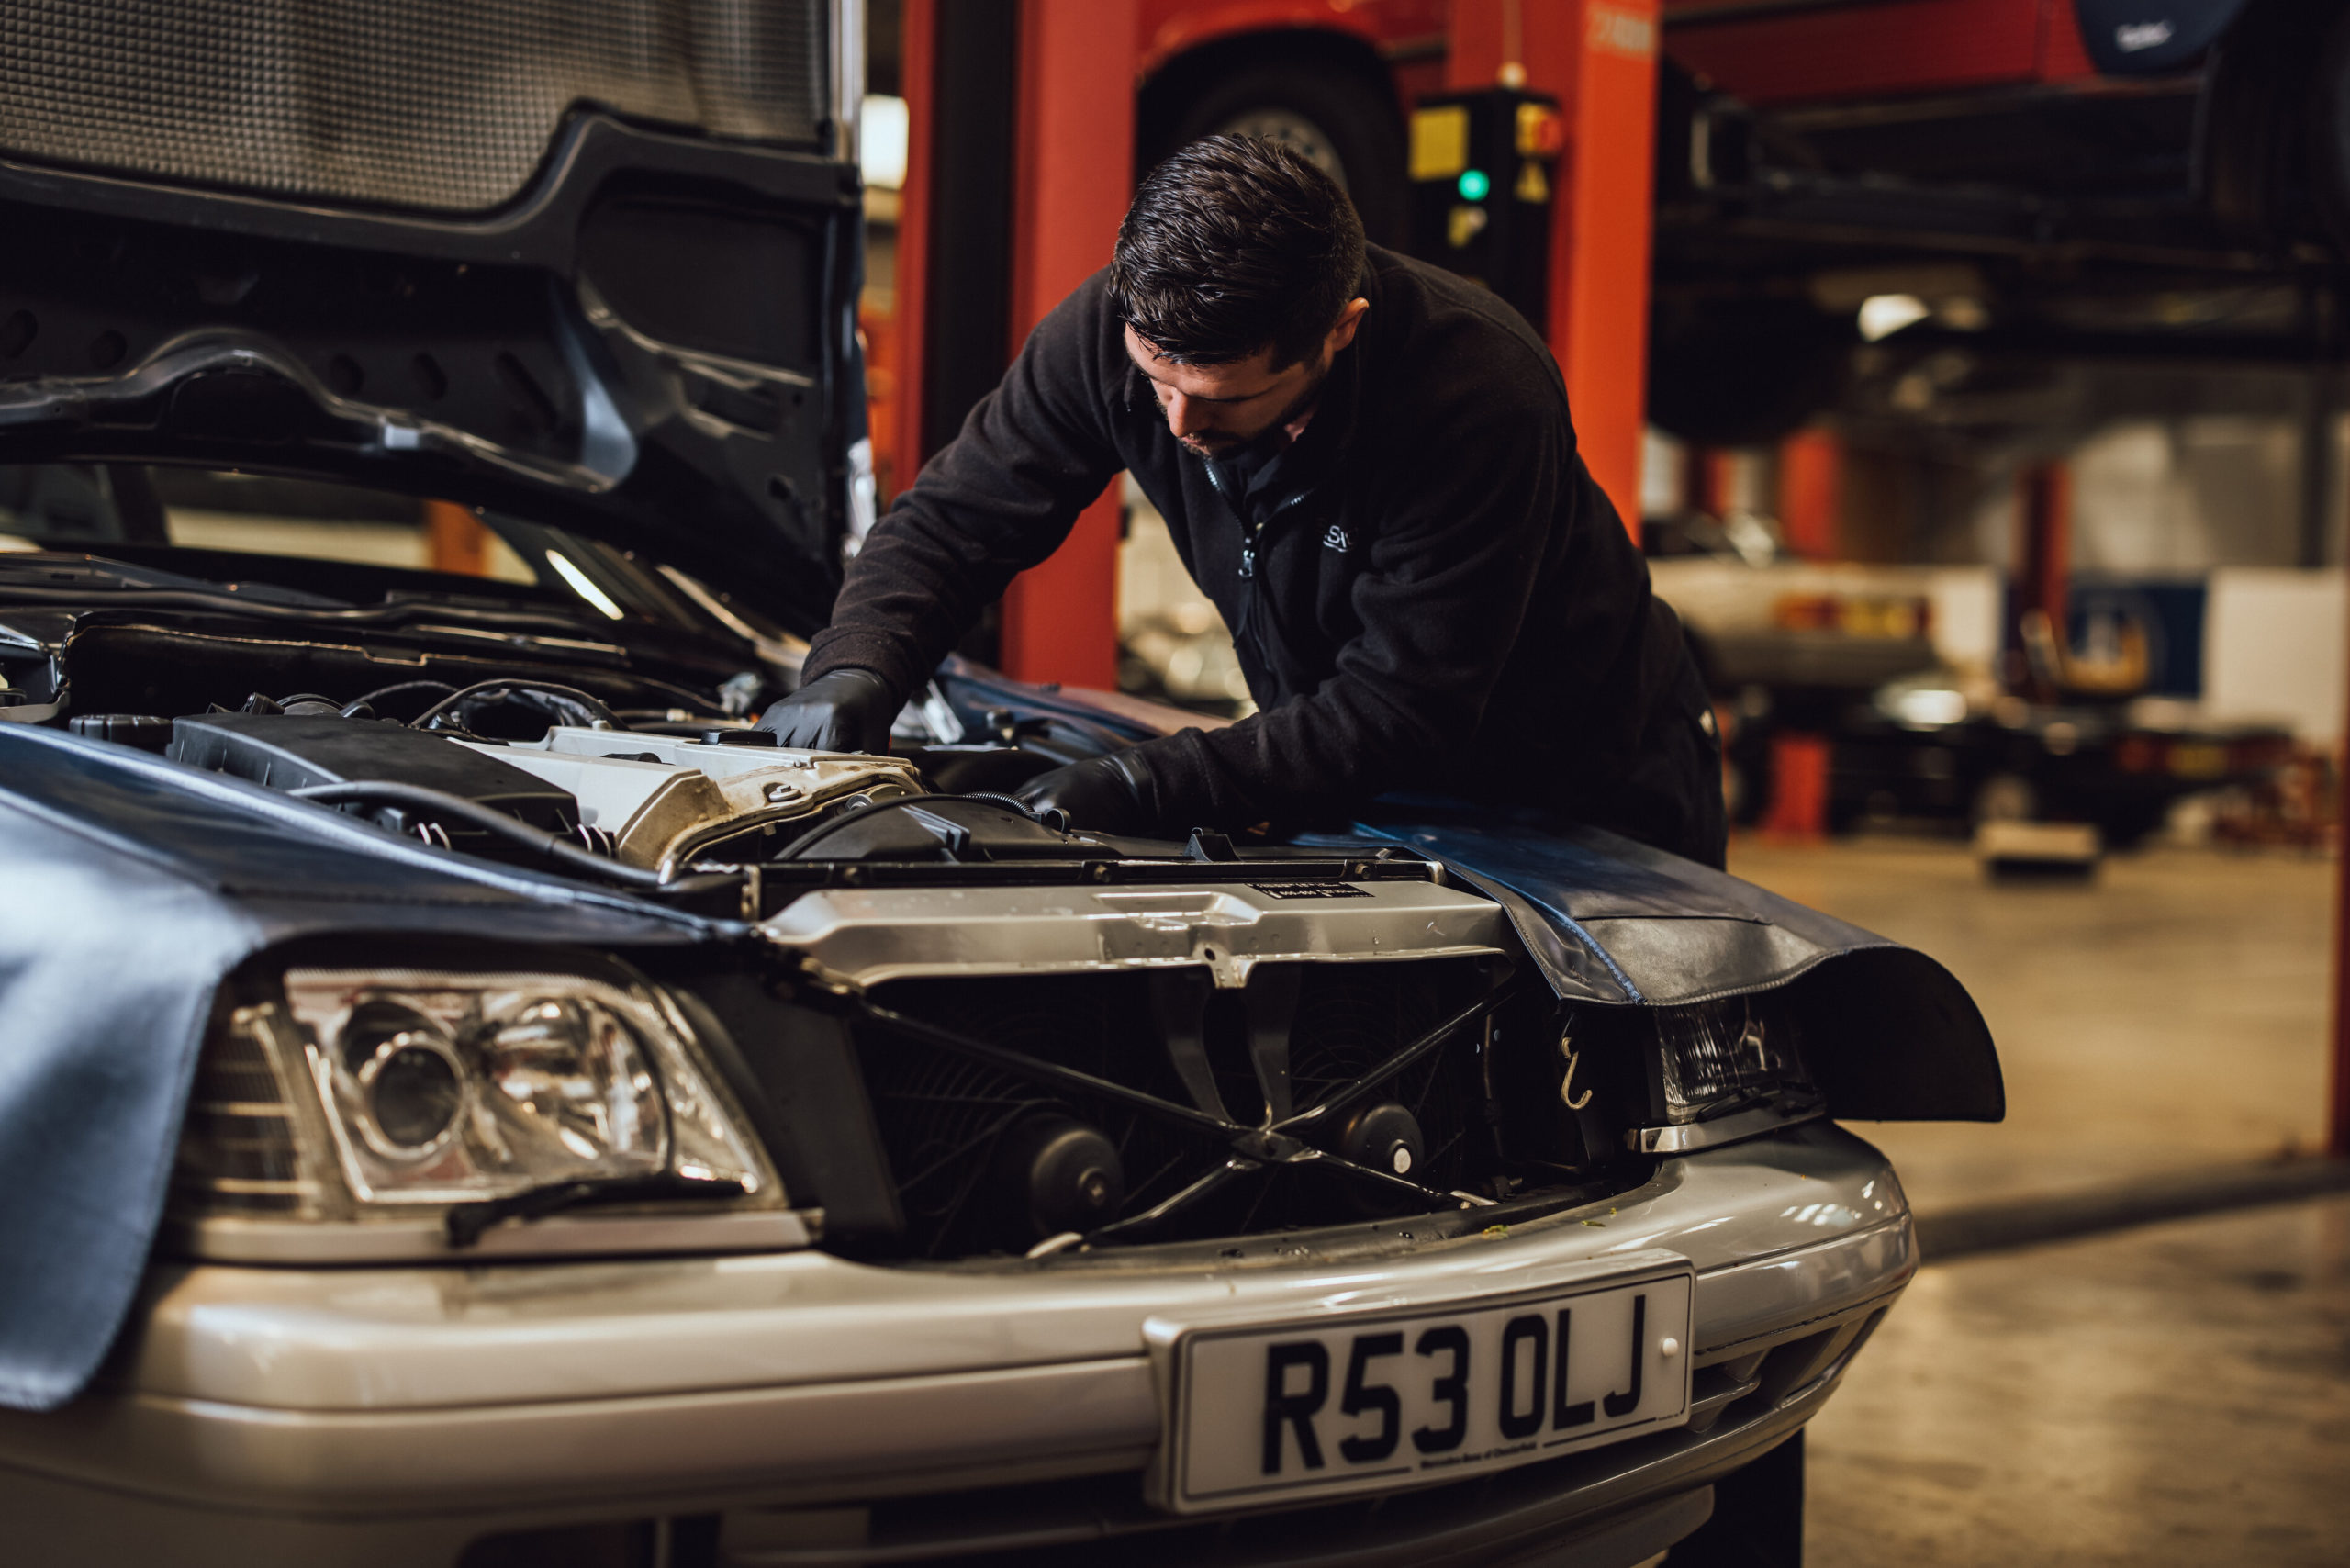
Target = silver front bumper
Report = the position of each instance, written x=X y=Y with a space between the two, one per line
x=461 y=1397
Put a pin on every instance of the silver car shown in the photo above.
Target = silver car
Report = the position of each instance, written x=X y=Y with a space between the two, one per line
x=466 y=1098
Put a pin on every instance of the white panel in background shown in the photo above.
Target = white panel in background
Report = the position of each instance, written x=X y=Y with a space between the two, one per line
x=2274 y=648
x=2202 y=491
x=883 y=137
x=1725 y=597
x=1663 y=493
x=1967 y=606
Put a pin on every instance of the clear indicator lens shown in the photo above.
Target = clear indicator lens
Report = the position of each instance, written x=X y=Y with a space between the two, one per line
x=1719 y=1056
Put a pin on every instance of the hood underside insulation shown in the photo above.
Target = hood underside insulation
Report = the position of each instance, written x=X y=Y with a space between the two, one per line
x=449 y=105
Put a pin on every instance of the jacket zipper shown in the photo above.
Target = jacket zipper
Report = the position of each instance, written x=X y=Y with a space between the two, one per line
x=1252 y=536
x=1250 y=543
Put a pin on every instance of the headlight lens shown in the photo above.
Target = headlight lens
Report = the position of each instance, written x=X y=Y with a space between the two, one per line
x=444 y=1088
x=404 y=1086
x=1719 y=1057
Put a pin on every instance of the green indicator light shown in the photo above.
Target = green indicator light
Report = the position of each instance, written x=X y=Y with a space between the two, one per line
x=1474 y=185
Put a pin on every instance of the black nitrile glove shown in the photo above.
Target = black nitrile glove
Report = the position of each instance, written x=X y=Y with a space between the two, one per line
x=1107 y=794
x=849 y=710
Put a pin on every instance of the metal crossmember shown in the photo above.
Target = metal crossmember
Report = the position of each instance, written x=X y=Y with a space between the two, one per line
x=1250 y=1148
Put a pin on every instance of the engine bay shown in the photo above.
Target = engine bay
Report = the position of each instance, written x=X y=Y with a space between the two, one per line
x=1056 y=1033
x=667 y=805
x=509 y=727
x=608 y=735
x=648 y=801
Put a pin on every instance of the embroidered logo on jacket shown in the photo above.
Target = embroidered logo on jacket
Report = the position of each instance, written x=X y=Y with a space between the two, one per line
x=1335 y=539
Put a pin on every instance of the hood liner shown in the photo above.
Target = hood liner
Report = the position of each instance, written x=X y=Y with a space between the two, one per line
x=655 y=345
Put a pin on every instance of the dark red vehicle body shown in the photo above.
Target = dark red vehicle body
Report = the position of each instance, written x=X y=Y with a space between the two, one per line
x=1764 y=53
x=2023 y=156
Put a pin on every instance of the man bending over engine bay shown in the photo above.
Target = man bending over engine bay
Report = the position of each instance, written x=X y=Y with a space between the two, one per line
x=1367 y=463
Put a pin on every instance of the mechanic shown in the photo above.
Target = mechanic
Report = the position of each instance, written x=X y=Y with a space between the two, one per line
x=1367 y=463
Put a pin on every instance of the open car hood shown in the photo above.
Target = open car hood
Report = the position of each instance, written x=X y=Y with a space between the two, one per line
x=595 y=265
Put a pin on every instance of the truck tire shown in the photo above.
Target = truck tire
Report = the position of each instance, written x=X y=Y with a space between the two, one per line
x=1350 y=129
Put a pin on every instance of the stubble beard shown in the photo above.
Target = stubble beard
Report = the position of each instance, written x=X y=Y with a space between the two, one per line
x=1224 y=445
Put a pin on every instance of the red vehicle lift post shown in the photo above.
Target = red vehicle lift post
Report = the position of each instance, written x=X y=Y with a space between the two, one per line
x=1073 y=174
x=918 y=41
x=2043 y=566
x=1810 y=486
x=1070 y=171
x=1599 y=59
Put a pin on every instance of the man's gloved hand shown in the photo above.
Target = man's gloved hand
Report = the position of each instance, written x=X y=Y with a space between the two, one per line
x=849 y=710
x=1107 y=794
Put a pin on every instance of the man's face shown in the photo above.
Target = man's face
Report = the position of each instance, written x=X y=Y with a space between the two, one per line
x=1216 y=410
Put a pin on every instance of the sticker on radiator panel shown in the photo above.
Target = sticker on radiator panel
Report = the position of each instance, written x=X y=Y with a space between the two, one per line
x=1310 y=889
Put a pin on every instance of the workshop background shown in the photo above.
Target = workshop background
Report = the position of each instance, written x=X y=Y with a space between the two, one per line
x=1973 y=371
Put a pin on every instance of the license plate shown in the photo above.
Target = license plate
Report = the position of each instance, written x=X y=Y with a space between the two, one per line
x=1365 y=1400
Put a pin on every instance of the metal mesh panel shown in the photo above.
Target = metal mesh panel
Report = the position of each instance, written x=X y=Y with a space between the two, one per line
x=444 y=103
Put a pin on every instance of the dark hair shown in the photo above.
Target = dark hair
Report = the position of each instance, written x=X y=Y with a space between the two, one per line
x=1233 y=243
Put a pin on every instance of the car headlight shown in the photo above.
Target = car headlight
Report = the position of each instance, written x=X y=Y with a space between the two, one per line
x=1720 y=1057
x=351 y=1094
x=447 y=1088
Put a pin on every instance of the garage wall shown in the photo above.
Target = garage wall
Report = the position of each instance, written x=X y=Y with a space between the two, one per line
x=2274 y=648
x=2188 y=495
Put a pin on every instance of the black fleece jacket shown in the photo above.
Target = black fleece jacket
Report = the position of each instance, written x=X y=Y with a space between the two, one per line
x=1439 y=598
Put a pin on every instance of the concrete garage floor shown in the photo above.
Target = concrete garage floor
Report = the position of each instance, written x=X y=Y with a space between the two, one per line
x=2167 y=1016
x=2176 y=1394
x=2172 y=1397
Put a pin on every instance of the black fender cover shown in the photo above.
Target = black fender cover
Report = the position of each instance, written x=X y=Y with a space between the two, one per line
x=130 y=888
x=1890 y=1033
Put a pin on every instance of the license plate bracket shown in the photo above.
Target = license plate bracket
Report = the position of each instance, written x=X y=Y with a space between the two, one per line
x=1364 y=1392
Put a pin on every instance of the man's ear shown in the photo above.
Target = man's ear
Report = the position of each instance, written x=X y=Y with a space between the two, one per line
x=1349 y=320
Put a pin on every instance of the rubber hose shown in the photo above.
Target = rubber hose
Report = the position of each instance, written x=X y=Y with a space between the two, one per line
x=552 y=845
